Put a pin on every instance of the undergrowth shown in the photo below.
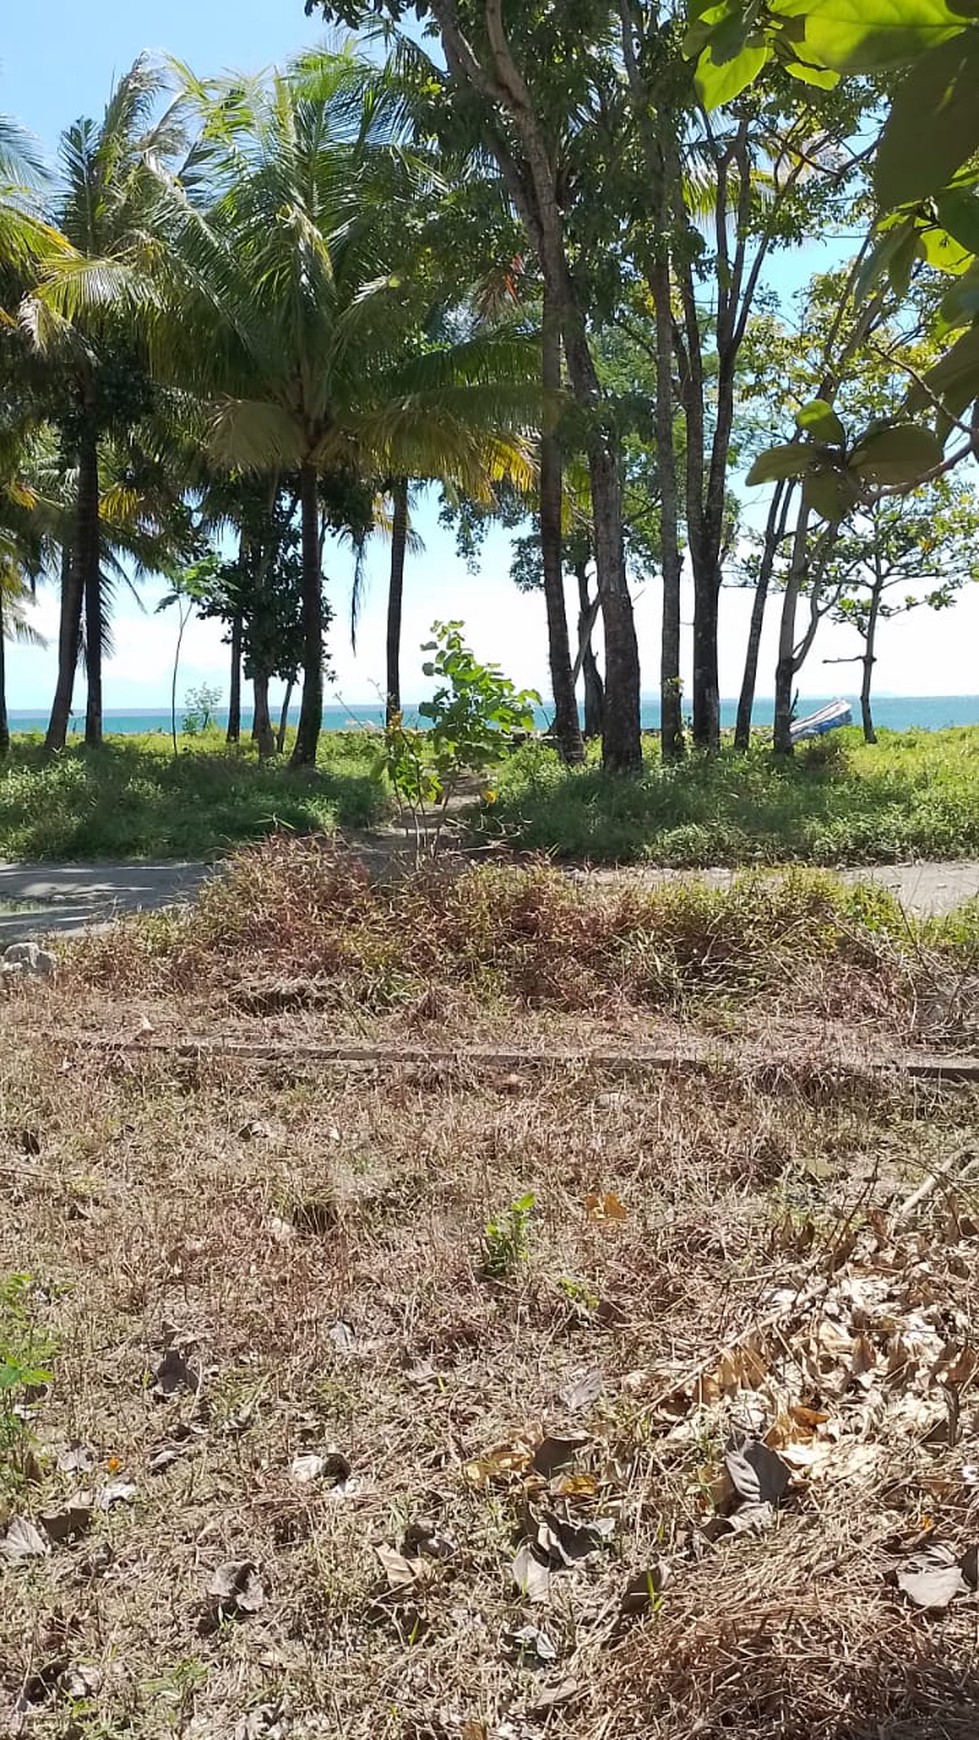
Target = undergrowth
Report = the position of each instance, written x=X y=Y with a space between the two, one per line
x=298 y=912
x=134 y=799
x=838 y=801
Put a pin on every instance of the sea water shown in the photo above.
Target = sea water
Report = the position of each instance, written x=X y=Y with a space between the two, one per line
x=891 y=712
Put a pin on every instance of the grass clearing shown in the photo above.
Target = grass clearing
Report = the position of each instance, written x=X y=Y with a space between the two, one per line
x=275 y=1345
x=133 y=799
x=839 y=801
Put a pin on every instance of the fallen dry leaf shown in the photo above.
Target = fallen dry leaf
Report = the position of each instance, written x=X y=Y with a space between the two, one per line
x=604 y=1205
x=422 y=1539
x=552 y=1696
x=265 y=1723
x=531 y=1577
x=554 y=1453
x=758 y=1475
x=342 y=1336
x=236 y=1588
x=530 y=1643
x=398 y=1570
x=499 y=1463
x=23 y=1541
x=175 y=1373
x=932 y=1579
x=582 y=1391
x=116 y=1492
x=81 y=1682
x=76 y=1459
x=71 y=1521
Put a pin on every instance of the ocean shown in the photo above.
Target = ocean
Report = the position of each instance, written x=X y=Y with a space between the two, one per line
x=891 y=712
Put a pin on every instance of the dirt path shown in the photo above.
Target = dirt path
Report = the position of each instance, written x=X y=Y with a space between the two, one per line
x=60 y=899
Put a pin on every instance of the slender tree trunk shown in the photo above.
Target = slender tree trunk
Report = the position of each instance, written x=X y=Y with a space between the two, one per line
x=594 y=687
x=786 y=667
x=4 y=722
x=869 y=660
x=263 y=719
x=396 y=592
x=280 y=736
x=234 y=692
x=774 y=533
x=567 y=726
x=88 y=542
x=311 y=710
x=69 y=637
x=670 y=687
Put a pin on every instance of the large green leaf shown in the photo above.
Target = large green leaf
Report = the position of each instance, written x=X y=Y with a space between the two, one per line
x=933 y=125
x=869 y=35
x=899 y=454
x=958 y=210
x=720 y=81
x=819 y=420
x=955 y=379
x=823 y=77
x=894 y=253
x=830 y=492
x=961 y=305
x=942 y=251
x=793 y=460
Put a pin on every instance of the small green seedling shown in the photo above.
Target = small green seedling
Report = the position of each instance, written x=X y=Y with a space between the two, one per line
x=24 y=1351
x=505 y=1239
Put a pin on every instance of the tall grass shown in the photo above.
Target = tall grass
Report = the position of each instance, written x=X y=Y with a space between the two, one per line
x=134 y=799
x=838 y=801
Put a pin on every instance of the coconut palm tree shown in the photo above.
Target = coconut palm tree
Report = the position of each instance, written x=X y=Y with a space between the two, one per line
x=300 y=285
x=85 y=318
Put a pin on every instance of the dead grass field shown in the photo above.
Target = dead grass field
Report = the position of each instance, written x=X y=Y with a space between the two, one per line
x=463 y=1404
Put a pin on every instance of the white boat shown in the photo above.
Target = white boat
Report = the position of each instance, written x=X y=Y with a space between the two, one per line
x=827 y=719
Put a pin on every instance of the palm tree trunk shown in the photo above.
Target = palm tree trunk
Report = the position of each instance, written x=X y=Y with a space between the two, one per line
x=280 y=736
x=594 y=687
x=234 y=693
x=4 y=723
x=311 y=710
x=69 y=637
x=567 y=725
x=396 y=590
x=263 y=718
x=88 y=552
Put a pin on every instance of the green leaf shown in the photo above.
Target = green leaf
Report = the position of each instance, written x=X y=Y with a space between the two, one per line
x=720 y=81
x=900 y=454
x=959 y=212
x=870 y=35
x=823 y=77
x=955 y=379
x=793 y=460
x=933 y=125
x=943 y=252
x=894 y=252
x=819 y=420
x=829 y=492
x=961 y=305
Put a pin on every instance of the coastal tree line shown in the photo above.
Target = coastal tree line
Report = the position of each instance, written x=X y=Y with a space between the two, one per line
x=528 y=256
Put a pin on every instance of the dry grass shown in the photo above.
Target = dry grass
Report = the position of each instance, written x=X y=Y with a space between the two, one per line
x=244 y=1216
x=296 y=925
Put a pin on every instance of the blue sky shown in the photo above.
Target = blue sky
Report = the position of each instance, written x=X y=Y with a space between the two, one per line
x=57 y=61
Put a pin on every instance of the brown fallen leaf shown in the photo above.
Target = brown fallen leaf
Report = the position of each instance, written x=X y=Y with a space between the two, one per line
x=76 y=1459
x=423 y=1540
x=552 y=1696
x=501 y=1462
x=81 y=1682
x=529 y=1644
x=236 y=1588
x=398 y=1570
x=115 y=1492
x=604 y=1205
